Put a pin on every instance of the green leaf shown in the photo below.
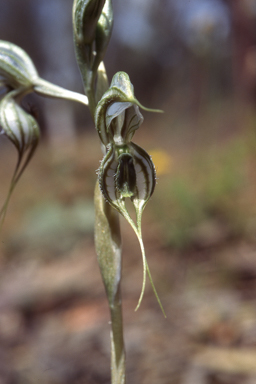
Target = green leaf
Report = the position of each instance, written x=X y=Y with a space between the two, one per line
x=108 y=249
x=108 y=244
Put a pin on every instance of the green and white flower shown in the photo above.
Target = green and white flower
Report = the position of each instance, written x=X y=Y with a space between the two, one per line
x=17 y=71
x=126 y=170
x=18 y=77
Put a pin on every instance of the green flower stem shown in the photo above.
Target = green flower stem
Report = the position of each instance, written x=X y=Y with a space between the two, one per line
x=109 y=254
x=108 y=249
x=117 y=343
x=107 y=227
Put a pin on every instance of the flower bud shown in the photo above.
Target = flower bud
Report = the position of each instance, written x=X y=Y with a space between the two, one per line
x=86 y=14
x=103 y=33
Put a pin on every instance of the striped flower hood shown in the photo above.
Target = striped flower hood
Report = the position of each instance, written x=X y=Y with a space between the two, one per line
x=126 y=170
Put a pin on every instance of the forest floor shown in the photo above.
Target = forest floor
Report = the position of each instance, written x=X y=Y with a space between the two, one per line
x=54 y=319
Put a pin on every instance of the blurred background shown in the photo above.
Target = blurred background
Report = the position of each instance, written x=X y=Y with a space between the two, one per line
x=195 y=60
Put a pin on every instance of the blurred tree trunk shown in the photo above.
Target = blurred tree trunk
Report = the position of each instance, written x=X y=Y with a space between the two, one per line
x=243 y=38
x=59 y=65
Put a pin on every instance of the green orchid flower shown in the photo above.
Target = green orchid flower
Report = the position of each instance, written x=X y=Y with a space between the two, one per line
x=18 y=77
x=126 y=170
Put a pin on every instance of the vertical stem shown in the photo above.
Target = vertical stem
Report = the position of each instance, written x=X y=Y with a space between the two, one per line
x=108 y=249
x=117 y=342
x=107 y=227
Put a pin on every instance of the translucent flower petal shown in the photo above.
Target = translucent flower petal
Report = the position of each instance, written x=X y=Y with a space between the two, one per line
x=117 y=114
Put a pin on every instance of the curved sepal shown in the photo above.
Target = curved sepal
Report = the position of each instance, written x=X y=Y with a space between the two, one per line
x=16 y=68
